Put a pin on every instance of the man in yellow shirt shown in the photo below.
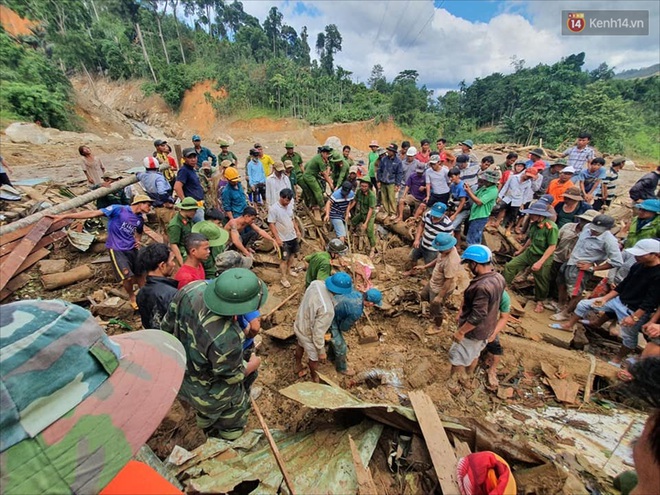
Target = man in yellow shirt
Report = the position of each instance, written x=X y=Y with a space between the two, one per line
x=266 y=160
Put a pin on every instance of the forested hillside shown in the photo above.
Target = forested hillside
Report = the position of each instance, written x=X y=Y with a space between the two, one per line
x=269 y=67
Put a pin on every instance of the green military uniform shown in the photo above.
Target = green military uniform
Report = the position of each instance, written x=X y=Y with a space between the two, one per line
x=227 y=156
x=214 y=380
x=339 y=173
x=313 y=179
x=650 y=230
x=296 y=176
x=318 y=268
x=542 y=235
x=210 y=270
x=373 y=156
x=115 y=198
x=177 y=230
x=364 y=202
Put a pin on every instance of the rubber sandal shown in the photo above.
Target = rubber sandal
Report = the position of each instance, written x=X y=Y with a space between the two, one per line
x=557 y=326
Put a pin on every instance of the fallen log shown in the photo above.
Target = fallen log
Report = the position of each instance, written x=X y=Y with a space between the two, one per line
x=401 y=229
x=57 y=280
x=509 y=238
x=69 y=205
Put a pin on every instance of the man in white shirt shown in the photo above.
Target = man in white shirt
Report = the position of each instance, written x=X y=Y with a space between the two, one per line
x=275 y=182
x=285 y=232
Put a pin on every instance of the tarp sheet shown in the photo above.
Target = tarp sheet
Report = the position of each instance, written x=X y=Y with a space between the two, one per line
x=319 y=462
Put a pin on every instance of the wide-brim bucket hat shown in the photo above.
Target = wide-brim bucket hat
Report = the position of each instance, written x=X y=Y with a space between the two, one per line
x=443 y=242
x=216 y=235
x=77 y=405
x=236 y=291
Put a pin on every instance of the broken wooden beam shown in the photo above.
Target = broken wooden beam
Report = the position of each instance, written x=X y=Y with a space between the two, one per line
x=8 y=243
x=273 y=447
x=441 y=451
x=29 y=261
x=57 y=280
x=155 y=236
x=365 y=482
x=14 y=284
x=22 y=251
x=509 y=238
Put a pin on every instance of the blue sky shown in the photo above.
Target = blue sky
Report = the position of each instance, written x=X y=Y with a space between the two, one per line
x=448 y=41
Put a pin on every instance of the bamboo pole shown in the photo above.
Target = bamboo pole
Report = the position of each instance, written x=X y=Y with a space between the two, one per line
x=273 y=447
x=72 y=203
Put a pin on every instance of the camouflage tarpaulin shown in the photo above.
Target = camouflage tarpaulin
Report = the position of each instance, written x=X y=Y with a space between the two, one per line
x=319 y=461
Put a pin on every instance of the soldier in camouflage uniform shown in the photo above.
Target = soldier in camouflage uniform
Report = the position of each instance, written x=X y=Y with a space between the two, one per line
x=77 y=405
x=203 y=317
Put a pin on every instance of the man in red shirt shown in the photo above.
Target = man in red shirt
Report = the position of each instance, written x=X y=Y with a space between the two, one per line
x=192 y=269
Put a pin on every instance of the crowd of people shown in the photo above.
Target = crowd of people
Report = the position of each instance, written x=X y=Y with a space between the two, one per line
x=198 y=284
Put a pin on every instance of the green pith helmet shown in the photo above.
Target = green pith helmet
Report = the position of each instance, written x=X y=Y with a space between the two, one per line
x=335 y=156
x=491 y=176
x=289 y=144
x=216 y=235
x=235 y=292
x=188 y=204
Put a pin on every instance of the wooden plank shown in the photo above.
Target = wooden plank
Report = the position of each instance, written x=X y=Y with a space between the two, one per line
x=366 y=485
x=8 y=246
x=49 y=239
x=461 y=448
x=441 y=451
x=590 y=378
x=29 y=261
x=14 y=284
x=153 y=235
x=23 y=250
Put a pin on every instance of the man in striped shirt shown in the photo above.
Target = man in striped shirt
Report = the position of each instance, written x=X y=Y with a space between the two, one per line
x=469 y=170
x=607 y=191
x=434 y=222
x=580 y=155
x=336 y=208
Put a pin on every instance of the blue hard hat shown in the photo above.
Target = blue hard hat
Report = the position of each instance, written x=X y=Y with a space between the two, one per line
x=443 y=241
x=196 y=137
x=339 y=283
x=374 y=296
x=438 y=210
x=649 y=205
x=477 y=253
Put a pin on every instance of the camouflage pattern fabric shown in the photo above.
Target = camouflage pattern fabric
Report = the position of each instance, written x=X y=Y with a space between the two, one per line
x=214 y=380
x=54 y=355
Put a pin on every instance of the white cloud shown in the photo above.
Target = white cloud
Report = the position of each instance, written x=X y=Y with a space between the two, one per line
x=446 y=49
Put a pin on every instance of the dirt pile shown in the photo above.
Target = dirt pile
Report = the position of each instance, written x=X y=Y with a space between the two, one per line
x=14 y=24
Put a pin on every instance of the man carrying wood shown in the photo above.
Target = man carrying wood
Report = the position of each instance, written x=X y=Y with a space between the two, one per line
x=125 y=226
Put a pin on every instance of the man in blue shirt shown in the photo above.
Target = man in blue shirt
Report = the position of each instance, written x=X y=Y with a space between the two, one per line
x=233 y=196
x=389 y=175
x=158 y=189
x=125 y=226
x=203 y=153
x=187 y=183
x=256 y=177
x=590 y=178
